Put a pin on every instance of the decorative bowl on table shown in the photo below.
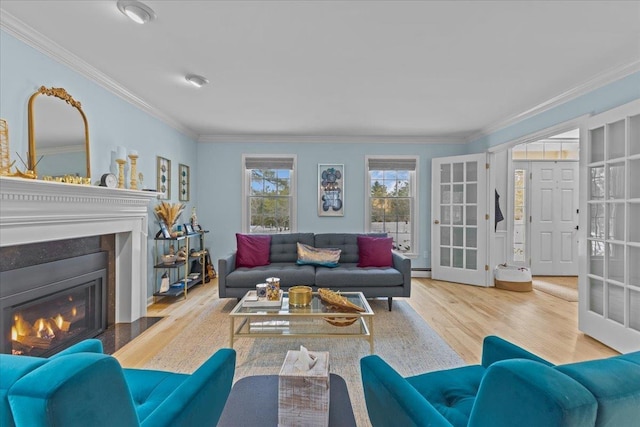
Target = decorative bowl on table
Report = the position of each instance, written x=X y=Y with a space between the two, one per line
x=300 y=296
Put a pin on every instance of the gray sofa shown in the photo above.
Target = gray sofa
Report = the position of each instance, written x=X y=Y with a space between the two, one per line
x=348 y=277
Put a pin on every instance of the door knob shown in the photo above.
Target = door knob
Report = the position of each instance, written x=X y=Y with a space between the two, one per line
x=436 y=222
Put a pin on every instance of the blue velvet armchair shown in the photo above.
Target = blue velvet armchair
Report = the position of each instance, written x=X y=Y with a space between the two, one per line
x=511 y=387
x=83 y=387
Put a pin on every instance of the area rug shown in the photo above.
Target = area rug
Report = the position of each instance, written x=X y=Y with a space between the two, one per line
x=402 y=338
x=559 y=291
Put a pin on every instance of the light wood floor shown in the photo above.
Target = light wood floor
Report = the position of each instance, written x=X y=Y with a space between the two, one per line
x=462 y=315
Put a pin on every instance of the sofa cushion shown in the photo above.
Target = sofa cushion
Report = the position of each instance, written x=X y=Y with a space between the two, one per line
x=350 y=275
x=452 y=392
x=13 y=368
x=374 y=251
x=253 y=250
x=614 y=383
x=325 y=257
x=347 y=242
x=151 y=388
x=290 y=274
x=284 y=246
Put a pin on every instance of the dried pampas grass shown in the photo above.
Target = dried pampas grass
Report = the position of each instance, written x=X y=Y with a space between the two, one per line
x=169 y=212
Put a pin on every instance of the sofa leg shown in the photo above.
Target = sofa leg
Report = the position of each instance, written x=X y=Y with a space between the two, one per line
x=390 y=300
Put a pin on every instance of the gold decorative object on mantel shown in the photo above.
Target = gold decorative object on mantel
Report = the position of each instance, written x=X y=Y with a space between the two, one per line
x=133 y=156
x=5 y=159
x=59 y=136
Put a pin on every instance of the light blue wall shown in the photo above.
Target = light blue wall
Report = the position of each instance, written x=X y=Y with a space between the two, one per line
x=112 y=121
x=220 y=191
x=602 y=99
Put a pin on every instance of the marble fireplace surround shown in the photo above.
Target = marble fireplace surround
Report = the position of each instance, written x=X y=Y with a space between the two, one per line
x=39 y=211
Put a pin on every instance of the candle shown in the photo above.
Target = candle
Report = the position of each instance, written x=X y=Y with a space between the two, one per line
x=121 y=153
x=133 y=153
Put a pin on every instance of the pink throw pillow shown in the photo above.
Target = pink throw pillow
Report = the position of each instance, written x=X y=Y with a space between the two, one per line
x=253 y=251
x=375 y=251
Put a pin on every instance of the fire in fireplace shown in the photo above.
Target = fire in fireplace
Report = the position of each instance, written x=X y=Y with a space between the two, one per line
x=47 y=307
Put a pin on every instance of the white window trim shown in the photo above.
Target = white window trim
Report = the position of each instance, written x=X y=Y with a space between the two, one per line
x=415 y=251
x=246 y=177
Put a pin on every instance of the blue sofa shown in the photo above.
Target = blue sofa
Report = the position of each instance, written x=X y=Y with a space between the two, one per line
x=83 y=387
x=511 y=387
x=348 y=277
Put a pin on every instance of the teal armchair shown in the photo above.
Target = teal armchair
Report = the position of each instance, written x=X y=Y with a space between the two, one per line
x=511 y=387
x=81 y=387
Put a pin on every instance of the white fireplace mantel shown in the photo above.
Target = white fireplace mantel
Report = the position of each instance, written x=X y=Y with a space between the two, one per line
x=38 y=211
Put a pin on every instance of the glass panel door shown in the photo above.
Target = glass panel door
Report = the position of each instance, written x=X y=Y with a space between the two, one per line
x=609 y=308
x=459 y=227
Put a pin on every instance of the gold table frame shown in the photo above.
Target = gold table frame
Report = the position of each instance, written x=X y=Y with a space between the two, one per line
x=288 y=322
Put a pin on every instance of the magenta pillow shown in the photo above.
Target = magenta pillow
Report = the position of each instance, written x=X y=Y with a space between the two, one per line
x=253 y=251
x=374 y=251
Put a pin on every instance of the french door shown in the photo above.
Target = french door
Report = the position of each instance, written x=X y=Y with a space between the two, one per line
x=609 y=282
x=459 y=219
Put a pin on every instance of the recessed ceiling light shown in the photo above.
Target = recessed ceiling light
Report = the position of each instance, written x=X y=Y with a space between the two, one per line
x=197 y=81
x=137 y=11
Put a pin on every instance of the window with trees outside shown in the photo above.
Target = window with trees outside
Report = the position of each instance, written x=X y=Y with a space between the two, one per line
x=392 y=200
x=269 y=189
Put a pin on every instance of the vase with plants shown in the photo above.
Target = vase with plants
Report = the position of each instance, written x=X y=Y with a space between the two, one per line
x=169 y=213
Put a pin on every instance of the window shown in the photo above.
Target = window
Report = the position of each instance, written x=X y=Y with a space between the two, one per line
x=564 y=146
x=392 y=201
x=519 y=215
x=269 y=194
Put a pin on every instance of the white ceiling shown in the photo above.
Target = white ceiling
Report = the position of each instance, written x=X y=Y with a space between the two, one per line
x=396 y=70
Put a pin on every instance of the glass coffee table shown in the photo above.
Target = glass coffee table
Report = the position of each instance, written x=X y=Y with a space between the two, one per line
x=317 y=320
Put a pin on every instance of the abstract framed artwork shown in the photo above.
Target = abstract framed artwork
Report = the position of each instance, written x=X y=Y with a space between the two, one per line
x=163 y=171
x=184 y=186
x=330 y=190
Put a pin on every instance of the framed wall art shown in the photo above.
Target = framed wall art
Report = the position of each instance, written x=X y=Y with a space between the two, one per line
x=163 y=172
x=184 y=184
x=330 y=190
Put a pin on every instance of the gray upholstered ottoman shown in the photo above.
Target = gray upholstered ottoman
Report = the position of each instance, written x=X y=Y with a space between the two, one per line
x=254 y=402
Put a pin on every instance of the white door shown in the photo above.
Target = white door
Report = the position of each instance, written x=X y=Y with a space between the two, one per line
x=459 y=219
x=554 y=218
x=609 y=281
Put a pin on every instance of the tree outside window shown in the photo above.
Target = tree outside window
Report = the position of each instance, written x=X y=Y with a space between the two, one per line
x=391 y=206
x=270 y=201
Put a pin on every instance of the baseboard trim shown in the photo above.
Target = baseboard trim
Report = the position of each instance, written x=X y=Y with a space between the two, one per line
x=421 y=272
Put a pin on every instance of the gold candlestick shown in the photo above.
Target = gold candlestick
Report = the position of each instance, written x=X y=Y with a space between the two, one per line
x=134 y=172
x=121 y=163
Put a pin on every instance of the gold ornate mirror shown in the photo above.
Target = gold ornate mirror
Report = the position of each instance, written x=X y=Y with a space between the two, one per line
x=58 y=135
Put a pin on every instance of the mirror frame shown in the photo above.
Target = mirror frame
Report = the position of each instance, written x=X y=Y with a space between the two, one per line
x=61 y=93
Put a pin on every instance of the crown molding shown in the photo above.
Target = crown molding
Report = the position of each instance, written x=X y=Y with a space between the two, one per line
x=40 y=42
x=598 y=81
x=334 y=139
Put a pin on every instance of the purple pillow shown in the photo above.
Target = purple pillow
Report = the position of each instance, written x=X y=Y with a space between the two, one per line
x=253 y=251
x=374 y=251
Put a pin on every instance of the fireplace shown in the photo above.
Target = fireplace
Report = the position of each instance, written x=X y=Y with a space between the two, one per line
x=33 y=211
x=47 y=307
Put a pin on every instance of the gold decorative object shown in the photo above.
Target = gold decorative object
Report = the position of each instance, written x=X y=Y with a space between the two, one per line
x=5 y=159
x=169 y=213
x=121 y=163
x=339 y=303
x=300 y=296
x=134 y=171
x=70 y=117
